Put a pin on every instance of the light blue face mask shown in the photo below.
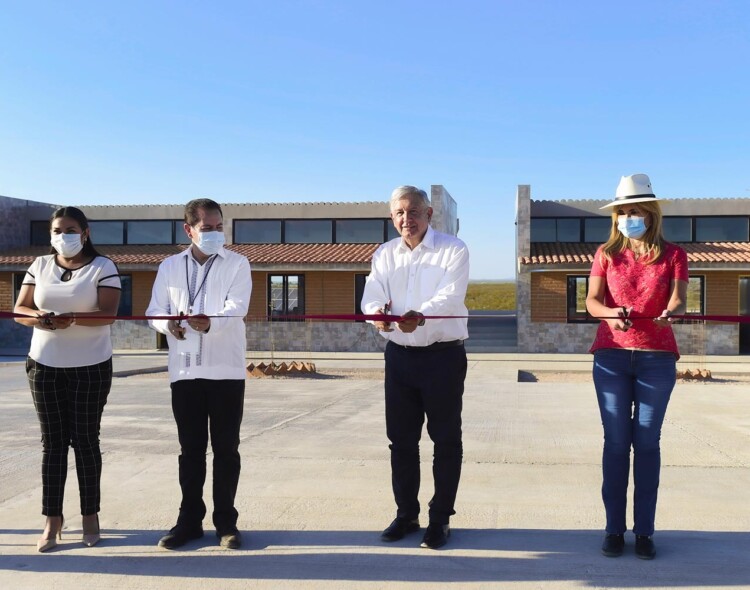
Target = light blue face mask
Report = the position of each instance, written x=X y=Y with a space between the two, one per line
x=210 y=242
x=631 y=227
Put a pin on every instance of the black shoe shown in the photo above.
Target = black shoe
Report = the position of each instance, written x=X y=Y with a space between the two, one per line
x=230 y=538
x=644 y=547
x=436 y=535
x=613 y=545
x=179 y=535
x=398 y=529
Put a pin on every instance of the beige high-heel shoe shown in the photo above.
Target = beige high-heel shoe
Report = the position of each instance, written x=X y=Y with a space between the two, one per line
x=45 y=543
x=91 y=539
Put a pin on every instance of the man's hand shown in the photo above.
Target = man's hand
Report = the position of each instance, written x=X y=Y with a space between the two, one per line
x=176 y=329
x=410 y=321
x=199 y=323
x=383 y=326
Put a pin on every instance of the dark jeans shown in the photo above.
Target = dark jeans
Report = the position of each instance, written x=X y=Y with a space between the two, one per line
x=421 y=383
x=633 y=389
x=69 y=403
x=200 y=406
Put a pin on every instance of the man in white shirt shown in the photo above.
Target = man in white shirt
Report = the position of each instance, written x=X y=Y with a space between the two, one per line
x=206 y=367
x=422 y=273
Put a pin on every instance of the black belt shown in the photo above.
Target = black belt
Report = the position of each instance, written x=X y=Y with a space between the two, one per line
x=433 y=346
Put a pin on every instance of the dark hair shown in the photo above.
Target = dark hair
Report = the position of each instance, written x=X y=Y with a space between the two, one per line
x=191 y=209
x=76 y=214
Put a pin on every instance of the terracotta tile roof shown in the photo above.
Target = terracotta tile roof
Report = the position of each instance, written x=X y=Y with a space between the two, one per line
x=551 y=253
x=265 y=254
x=307 y=253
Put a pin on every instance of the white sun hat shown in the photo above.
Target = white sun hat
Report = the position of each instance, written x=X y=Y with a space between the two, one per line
x=635 y=188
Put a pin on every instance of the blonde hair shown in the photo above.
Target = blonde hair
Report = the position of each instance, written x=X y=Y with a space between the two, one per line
x=653 y=238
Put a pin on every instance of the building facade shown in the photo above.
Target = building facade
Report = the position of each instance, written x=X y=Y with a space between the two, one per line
x=555 y=246
x=306 y=259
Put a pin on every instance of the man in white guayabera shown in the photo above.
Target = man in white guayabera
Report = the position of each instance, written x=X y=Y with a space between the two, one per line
x=206 y=367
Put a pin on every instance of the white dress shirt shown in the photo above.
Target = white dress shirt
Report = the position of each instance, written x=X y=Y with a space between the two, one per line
x=221 y=287
x=431 y=279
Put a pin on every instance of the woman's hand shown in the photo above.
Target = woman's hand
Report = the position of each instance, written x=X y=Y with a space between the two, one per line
x=665 y=319
x=621 y=322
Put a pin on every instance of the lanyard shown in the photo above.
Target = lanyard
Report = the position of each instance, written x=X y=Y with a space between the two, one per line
x=193 y=296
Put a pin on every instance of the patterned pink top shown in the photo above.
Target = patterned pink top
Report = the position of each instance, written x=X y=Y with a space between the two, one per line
x=645 y=288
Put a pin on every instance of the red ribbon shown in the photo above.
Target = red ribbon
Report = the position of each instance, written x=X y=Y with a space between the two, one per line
x=376 y=317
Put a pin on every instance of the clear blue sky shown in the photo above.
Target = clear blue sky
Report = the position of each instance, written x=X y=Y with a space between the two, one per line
x=160 y=102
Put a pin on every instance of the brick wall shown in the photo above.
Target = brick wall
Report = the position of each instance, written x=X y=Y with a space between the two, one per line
x=549 y=297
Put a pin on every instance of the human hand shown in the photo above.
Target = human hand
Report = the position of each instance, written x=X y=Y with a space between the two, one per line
x=199 y=323
x=383 y=326
x=177 y=330
x=410 y=321
x=665 y=319
x=621 y=322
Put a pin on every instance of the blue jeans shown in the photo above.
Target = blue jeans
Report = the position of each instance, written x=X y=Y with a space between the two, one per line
x=633 y=389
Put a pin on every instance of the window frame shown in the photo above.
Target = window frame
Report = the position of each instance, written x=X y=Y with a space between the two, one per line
x=576 y=317
x=285 y=297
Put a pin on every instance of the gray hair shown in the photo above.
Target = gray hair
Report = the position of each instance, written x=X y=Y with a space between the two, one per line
x=408 y=191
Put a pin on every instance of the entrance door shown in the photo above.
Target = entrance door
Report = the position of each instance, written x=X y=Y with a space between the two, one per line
x=745 y=310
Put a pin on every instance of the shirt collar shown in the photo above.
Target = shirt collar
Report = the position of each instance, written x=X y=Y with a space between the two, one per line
x=188 y=252
x=428 y=241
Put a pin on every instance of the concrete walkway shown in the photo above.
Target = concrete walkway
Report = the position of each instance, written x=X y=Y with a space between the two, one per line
x=315 y=493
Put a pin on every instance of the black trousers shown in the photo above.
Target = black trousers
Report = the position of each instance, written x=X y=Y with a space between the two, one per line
x=423 y=383
x=69 y=403
x=201 y=406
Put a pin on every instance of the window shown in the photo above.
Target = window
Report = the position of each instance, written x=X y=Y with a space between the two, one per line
x=150 y=232
x=257 y=231
x=359 y=291
x=578 y=287
x=569 y=230
x=359 y=231
x=40 y=233
x=308 y=231
x=543 y=230
x=107 y=232
x=596 y=229
x=696 y=296
x=126 y=296
x=180 y=237
x=678 y=229
x=286 y=297
x=564 y=229
x=721 y=229
x=17 y=282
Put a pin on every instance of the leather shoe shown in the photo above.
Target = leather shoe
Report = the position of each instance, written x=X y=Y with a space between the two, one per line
x=644 y=547
x=398 y=529
x=613 y=545
x=436 y=535
x=230 y=538
x=179 y=535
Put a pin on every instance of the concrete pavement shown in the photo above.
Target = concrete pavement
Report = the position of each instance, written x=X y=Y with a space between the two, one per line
x=314 y=492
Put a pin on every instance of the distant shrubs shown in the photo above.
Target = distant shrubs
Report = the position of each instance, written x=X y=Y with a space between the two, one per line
x=491 y=295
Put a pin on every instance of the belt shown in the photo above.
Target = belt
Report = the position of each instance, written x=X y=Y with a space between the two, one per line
x=433 y=346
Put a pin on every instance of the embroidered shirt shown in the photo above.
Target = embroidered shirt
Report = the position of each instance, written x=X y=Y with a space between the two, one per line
x=221 y=289
x=645 y=288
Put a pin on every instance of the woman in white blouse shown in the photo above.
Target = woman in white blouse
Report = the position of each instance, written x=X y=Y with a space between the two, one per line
x=65 y=294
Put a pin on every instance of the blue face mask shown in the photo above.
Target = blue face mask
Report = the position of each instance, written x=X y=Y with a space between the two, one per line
x=631 y=227
x=210 y=242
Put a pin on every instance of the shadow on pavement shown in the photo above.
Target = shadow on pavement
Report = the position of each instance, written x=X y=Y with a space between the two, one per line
x=685 y=558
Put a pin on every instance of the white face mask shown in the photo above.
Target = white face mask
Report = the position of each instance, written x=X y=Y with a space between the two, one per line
x=67 y=245
x=210 y=242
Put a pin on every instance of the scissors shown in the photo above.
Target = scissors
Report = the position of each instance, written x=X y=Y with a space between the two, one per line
x=625 y=314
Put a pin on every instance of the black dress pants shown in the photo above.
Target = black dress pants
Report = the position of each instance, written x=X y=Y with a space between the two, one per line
x=201 y=406
x=419 y=383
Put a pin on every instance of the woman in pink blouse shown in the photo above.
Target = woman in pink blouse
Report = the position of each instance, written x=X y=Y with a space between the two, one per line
x=637 y=282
